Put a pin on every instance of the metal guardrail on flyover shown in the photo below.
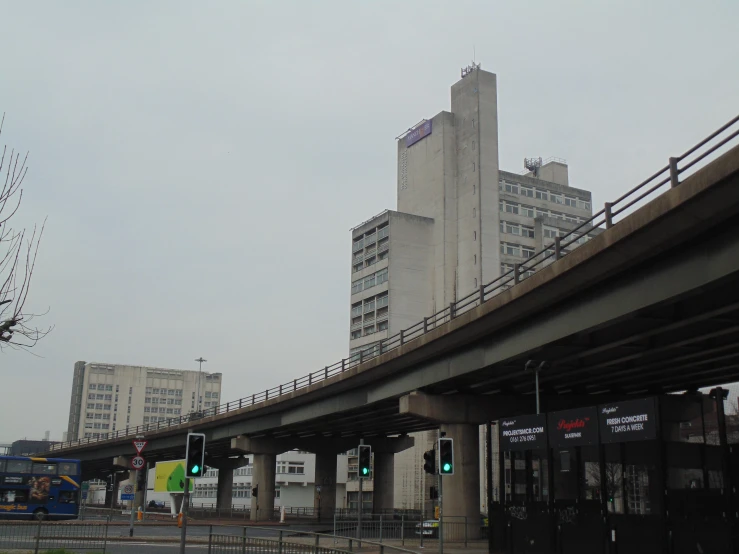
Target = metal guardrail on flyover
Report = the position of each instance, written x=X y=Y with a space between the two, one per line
x=664 y=179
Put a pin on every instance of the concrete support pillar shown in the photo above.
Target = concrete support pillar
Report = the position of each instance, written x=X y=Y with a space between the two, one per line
x=263 y=477
x=324 y=497
x=384 y=482
x=461 y=491
x=224 y=494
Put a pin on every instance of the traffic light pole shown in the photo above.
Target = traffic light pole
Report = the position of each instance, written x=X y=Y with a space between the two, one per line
x=441 y=516
x=185 y=503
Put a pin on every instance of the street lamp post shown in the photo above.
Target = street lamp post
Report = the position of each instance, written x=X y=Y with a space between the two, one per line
x=200 y=361
x=531 y=366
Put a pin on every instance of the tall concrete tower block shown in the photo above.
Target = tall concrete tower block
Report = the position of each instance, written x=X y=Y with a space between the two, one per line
x=450 y=174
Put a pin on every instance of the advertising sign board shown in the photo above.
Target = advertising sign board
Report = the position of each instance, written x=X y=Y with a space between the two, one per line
x=635 y=420
x=170 y=477
x=420 y=132
x=578 y=427
x=527 y=432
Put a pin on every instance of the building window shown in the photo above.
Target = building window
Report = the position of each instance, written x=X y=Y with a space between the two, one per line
x=101 y=387
x=508 y=207
x=106 y=407
x=510 y=249
x=88 y=425
x=372 y=260
x=382 y=325
x=381 y=276
x=207 y=394
x=382 y=300
x=99 y=397
x=92 y=387
x=91 y=397
x=556 y=198
x=549 y=232
x=527 y=251
x=89 y=415
x=542 y=213
x=146 y=419
x=527 y=231
x=91 y=406
x=583 y=204
x=369 y=330
x=510 y=187
x=369 y=282
x=356 y=309
x=570 y=201
x=357 y=286
x=528 y=211
x=527 y=191
x=356 y=334
x=108 y=397
x=147 y=409
x=98 y=406
x=178 y=401
x=155 y=400
x=541 y=194
x=98 y=416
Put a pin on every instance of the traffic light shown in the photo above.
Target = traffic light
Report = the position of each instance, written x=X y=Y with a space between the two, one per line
x=195 y=455
x=430 y=462
x=446 y=456
x=365 y=459
x=255 y=491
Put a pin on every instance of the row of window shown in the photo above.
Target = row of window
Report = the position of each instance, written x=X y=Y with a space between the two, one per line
x=370 y=281
x=529 y=211
x=369 y=329
x=91 y=415
x=169 y=392
x=557 y=198
x=148 y=410
x=369 y=304
x=512 y=249
x=157 y=400
x=516 y=229
x=291 y=467
x=371 y=257
x=26 y=466
x=101 y=387
x=94 y=406
x=97 y=425
x=370 y=237
x=92 y=396
x=552 y=232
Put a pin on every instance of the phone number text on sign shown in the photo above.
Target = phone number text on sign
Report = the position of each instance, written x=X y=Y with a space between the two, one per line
x=528 y=432
x=523 y=435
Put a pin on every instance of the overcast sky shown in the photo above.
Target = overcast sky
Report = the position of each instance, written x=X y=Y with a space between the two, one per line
x=201 y=164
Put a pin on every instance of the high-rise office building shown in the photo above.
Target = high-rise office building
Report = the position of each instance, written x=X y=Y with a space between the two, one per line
x=110 y=397
x=460 y=223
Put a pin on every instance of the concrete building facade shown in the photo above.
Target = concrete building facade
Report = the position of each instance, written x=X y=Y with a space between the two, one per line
x=109 y=397
x=461 y=222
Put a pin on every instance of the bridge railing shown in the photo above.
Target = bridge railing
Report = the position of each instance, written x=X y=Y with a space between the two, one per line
x=662 y=180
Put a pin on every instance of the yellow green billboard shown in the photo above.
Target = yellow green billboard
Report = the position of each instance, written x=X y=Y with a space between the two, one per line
x=170 y=477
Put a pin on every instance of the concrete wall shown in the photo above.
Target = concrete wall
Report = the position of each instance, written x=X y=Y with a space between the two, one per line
x=426 y=187
x=474 y=104
x=410 y=275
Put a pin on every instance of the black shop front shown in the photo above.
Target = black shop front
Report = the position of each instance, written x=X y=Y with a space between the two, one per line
x=645 y=475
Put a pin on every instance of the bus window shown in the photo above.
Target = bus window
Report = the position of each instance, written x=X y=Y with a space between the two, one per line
x=13 y=495
x=44 y=469
x=18 y=466
x=2 y=466
x=68 y=497
x=67 y=468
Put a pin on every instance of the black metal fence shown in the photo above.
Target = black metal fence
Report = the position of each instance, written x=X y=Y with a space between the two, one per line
x=408 y=530
x=43 y=536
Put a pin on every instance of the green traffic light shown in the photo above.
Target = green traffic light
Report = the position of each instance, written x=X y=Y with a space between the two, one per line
x=195 y=468
x=365 y=471
x=447 y=467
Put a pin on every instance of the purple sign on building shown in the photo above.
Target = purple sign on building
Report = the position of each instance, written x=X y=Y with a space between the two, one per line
x=420 y=132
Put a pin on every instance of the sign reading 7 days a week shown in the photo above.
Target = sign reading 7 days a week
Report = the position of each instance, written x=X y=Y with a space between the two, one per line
x=170 y=477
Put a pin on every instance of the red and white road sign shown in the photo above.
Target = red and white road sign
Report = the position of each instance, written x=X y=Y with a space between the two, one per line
x=138 y=462
x=139 y=446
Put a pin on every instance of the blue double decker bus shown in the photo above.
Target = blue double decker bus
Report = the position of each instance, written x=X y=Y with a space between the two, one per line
x=40 y=488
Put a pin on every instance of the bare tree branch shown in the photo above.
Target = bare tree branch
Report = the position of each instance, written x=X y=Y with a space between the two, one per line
x=18 y=255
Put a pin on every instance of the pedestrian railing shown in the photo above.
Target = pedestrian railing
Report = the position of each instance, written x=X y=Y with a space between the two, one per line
x=230 y=544
x=661 y=181
x=43 y=536
x=407 y=530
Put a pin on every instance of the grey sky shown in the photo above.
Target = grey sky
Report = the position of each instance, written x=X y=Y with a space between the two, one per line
x=201 y=163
